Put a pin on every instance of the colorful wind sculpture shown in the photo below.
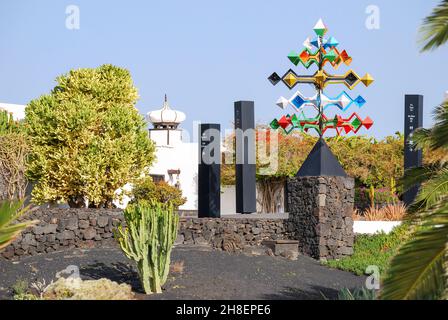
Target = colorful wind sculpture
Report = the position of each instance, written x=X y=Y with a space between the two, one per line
x=320 y=52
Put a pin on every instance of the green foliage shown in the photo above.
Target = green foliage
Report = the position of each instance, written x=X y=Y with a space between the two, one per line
x=420 y=268
x=145 y=189
x=9 y=212
x=373 y=250
x=418 y=271
x=147 y=239
x=20 y=291
x=8 y=124
x=373 y=197
x=357 y=294
x=77 y=289
x=20 y=287
x=369 y=161
x=87 y=138
x=434 y=31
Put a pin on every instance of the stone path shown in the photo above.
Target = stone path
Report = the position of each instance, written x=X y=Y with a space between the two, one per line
x=207 y=274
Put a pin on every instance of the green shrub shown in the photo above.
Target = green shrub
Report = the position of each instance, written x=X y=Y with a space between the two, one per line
x=145 y=189
x=357 y=294
x=77 y=289
x=373 y=250
x=87 y=138
x=148 y=238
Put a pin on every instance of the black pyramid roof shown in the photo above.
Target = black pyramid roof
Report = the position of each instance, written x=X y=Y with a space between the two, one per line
x=321 y=162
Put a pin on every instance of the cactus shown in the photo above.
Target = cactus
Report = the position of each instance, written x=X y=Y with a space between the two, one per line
x=7 y=123
x=372 y=196
x=393 y=190
x=148 y=239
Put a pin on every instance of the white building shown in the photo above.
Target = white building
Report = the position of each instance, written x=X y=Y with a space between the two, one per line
x=17 y=110
x=177 y=161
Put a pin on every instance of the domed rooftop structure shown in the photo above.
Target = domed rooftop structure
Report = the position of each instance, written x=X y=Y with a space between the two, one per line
x=165 y=118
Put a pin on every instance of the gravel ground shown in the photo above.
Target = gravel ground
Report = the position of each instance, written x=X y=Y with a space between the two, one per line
x=207 y=274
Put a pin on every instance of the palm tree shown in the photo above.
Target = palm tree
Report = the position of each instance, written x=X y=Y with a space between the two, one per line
x=9 y=212
x=420 y=269
x=434 y=30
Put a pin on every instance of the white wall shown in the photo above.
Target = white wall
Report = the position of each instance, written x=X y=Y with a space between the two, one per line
x=177 y=156
x=228 y=200
x=372 y=227
x=17 y=110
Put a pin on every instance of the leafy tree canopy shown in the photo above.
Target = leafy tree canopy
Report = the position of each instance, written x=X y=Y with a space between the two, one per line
x=87 y=138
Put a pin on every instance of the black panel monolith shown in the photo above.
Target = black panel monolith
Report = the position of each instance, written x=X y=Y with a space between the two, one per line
x=245 y=170
x=413 y=119
x=209 y=171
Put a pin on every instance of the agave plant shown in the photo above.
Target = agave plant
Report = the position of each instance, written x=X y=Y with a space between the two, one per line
x=9 y=212
x=419 y=270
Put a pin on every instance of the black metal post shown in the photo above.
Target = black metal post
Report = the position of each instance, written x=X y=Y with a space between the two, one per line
x=413 y=119
x=245 y=188
x=209 y=171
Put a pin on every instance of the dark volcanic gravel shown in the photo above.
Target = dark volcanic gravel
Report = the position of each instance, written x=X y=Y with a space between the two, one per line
x=207 y=274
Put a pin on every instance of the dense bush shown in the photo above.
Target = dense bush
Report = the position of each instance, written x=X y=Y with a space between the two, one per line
x=373 y=250
x=87 y=138
x=368 y=160
x=145 y=189
x=14 y=149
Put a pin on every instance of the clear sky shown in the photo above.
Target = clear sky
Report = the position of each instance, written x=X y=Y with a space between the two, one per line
x=207 y=54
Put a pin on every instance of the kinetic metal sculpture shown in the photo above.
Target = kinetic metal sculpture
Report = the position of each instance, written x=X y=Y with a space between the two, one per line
x=325 y=52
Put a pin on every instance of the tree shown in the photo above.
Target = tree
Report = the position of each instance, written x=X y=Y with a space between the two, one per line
x=420 y=269
x=146 y=190
x=87 y=138
x=14 y=149
x=434 y=30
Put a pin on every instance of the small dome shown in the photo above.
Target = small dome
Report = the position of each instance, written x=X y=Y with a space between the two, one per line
x=165 y=118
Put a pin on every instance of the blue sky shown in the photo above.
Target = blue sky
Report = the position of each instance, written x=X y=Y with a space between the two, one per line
x=207 y=54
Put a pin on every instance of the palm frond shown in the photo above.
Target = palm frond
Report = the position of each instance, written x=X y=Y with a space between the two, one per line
x=421 y=138
x=434 y=31
x=439 y=133
x=9 y=212
x=434 y=189
x=419 y=175
x=417 y=271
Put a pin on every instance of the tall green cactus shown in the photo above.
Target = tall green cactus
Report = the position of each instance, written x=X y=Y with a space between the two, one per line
x=7 y=122
x=148 y=239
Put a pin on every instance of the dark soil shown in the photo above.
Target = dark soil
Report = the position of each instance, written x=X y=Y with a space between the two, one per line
x=206 y=274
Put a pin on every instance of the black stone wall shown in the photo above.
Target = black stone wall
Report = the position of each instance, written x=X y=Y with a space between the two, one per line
x=320 y=211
